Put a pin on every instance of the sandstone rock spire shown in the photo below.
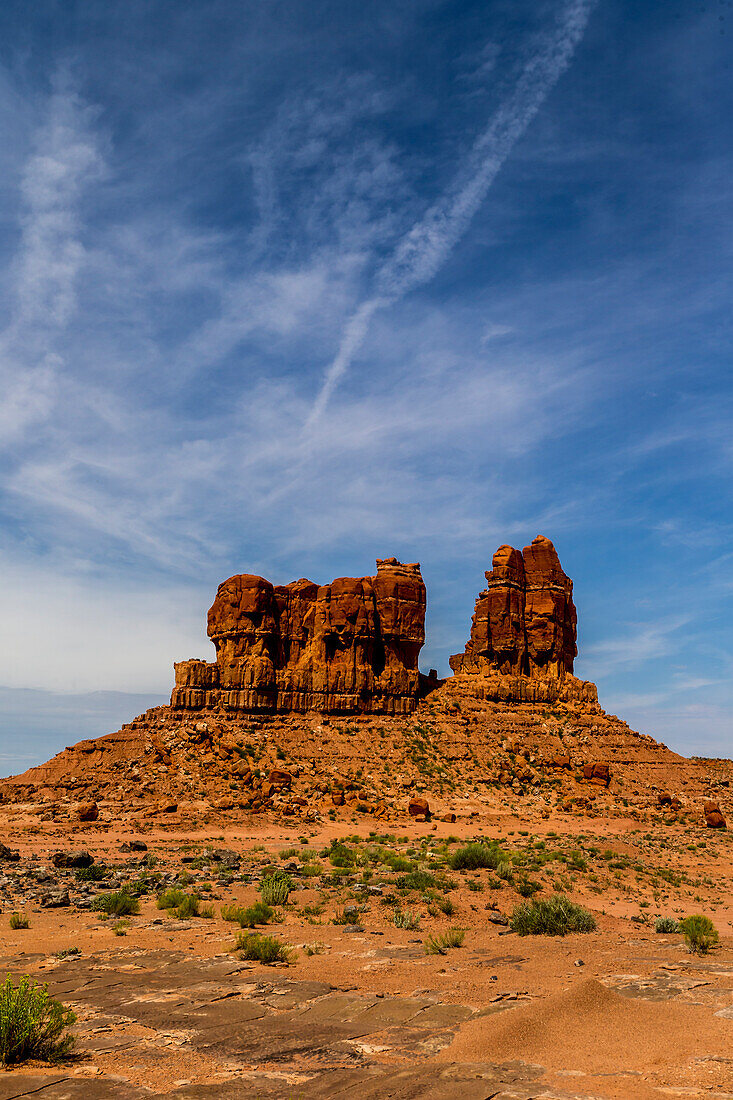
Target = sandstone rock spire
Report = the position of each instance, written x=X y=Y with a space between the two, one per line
x=523 y=634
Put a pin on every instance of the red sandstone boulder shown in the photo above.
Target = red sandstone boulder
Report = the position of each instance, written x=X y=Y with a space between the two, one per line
x=87 y=811
x=597 y=772
x=278 y=777
x=419 y=807
x=713 y=817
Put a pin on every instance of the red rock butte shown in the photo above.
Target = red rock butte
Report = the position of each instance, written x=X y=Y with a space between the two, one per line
x=524 y=631
x=351 y=646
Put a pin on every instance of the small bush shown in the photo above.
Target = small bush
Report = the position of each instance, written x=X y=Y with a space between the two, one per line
x=339 y=855
x=170 y=898
x=666 y=925
x=207 y=912
x=19 y=920
x=700 y=934
x=408 y=920
x=311 y=949
x=95 y=873
x=504 y=870
x=264 y=949
x=275 y=888
x=259 y=913
x=32 y=1024
x=120 y=928
x=416 y=880
x=475 y=855
x=527 y=888
x=189 y=907
x=118 y=903
x=438 y=945
x=553 y=916
x=350 y=915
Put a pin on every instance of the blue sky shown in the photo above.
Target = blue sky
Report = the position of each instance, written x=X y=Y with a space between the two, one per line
x=287 y=287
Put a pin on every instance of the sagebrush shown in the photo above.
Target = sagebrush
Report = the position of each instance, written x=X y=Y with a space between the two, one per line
x=32 y=1023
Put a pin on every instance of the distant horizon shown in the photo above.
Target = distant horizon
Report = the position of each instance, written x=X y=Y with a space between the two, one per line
x=285 y=288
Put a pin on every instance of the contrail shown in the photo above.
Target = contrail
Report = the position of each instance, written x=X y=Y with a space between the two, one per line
x=425 y=248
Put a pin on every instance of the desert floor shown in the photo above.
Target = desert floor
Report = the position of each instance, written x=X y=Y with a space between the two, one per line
x=167 y=1006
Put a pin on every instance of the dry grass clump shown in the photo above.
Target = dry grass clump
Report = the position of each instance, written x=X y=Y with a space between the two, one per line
x=700 y=934
x=438 y=945
x=553 y=916
x=265 y=949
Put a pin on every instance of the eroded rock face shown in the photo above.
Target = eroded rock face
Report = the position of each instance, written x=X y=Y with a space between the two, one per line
x=523 y=635
x=348 y=646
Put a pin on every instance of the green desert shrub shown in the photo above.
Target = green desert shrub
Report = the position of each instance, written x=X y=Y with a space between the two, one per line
x=275 y=888
x=438 y=945
x=259 y=913
x=416 y=880
x=700 y=934
x=265 y=949
x=170 y=898
x=19 y=920
x=349 y=915
x=553 y=916
x=189 y=907
x=117 y=903
x=406 y=919
x=666 y=925
x=95 y=873
x=32 y=1023
x=476 y=855
x=339 y=855
x=527 y=888
x=179 y=902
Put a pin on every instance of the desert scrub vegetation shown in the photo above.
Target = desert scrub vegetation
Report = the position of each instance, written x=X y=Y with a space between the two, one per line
x=438 y=945
x=32 y=1023
x=553 y=916
x=19 y=920
x=117 y=903
x=249 y=916
x=666 y=925
x=475 y=856
x=406 y=919
x=178 y=903
x=700 y=934
x=96 y=872
x=256 y=947
x=275 y=888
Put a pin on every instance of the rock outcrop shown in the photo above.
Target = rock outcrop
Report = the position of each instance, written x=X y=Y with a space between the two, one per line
x=351 y=646
x=523 y=635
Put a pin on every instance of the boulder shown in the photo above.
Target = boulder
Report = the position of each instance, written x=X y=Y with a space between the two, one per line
x=72 y=859
x=419 y=807
x=86 y=811
x=278 y=777
x=713 y=817
x=9 y=854
x=55 y=899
